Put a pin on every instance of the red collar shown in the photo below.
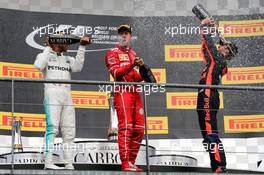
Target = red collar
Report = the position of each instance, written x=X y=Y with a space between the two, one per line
x=125 y=49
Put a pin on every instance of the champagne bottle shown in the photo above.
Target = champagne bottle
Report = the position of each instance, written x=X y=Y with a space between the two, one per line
x=63 y=39
x=200 y=12
x=147 y=74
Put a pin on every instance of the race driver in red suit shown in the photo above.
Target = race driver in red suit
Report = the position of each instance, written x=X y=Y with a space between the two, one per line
x=121 y=62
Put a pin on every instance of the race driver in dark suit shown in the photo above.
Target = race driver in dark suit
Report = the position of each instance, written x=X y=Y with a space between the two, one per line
x=215 y=60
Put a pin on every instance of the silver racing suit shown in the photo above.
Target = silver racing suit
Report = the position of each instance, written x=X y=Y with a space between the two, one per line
x=58 y=103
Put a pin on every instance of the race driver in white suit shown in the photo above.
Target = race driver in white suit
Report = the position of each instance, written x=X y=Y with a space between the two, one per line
x=58 y=103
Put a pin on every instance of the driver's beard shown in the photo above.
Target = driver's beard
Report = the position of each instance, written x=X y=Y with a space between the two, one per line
x=63 y=49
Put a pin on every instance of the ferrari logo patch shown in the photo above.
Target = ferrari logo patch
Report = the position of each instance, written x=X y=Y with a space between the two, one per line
x=123 y=57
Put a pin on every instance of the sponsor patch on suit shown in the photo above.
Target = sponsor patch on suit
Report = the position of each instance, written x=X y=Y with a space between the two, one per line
x=123 y=57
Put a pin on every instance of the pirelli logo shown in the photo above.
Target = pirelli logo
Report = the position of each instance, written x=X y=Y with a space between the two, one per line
x=183 y=53
x=90 y=99
x=159 y=74
x=30 y=122
x=158 y=125
x=244 y=123
x=243 y=28
x=186 y=100
x=14 y=70
x=244 y=75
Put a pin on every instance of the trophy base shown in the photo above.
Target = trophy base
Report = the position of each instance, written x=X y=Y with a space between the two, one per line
x=104 y=152
x=27 y=157
x=100 y=152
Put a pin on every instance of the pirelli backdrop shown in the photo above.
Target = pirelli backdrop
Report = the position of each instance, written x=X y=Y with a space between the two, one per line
x=167 y=44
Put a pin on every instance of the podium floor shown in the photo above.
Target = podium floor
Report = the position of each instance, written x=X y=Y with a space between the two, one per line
x=84 y=169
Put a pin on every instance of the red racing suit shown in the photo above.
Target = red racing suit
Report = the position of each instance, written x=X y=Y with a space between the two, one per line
x=128 y=103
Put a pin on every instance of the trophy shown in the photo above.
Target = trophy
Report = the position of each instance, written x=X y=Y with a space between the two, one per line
x=113 y=124
x=18 y=141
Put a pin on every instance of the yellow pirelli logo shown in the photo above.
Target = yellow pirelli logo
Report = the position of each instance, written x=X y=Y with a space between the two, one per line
x=14 y=70
x=244 y=75
x=159 y=74
x=90 y=99
x=244 y=123
x=183 y=53
x=157 y=125
x=186 y=100
x=30 y=122
x=242 y=28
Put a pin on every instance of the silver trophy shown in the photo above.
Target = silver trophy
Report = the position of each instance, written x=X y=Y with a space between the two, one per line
x=113 y=124
x=18 y=141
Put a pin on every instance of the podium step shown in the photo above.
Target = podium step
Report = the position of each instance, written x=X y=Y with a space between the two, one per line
x=89 y=169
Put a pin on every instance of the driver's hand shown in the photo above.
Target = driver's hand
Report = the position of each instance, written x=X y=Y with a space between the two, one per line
x=85 y=40
x=138 y=62
x=209 y=21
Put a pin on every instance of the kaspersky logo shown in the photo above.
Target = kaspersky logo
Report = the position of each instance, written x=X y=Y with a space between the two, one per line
x=102 y=36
